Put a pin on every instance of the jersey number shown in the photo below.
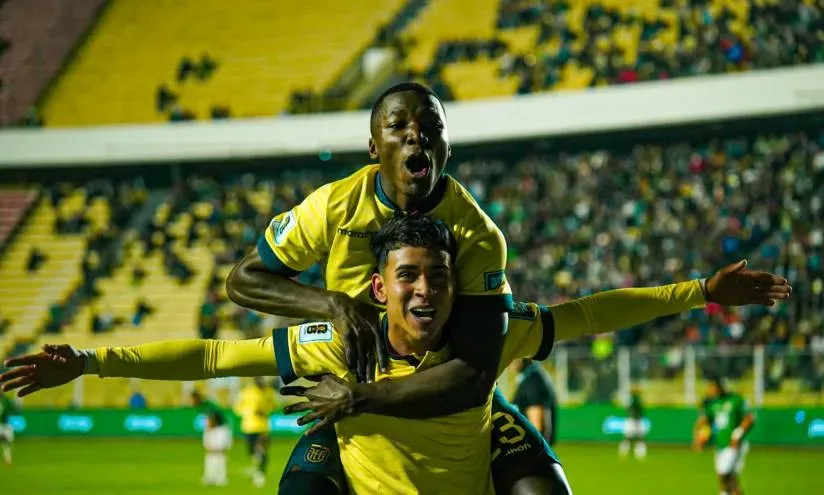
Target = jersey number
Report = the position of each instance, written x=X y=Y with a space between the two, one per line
x=510 y=432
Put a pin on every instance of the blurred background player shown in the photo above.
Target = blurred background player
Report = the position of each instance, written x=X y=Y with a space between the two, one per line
x=7 y=407
x=725 y=420
x=634 y=430
x=255 y=405
x=217 y=440
x=535 y=397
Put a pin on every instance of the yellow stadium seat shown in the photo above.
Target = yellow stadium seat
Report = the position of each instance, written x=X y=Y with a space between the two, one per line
x=264 y=49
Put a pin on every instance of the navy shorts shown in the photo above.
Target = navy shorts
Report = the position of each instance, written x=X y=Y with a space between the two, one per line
x=519 y=450
x=318 y=454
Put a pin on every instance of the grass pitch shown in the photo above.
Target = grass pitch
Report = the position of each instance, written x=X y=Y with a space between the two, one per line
x=123 y=467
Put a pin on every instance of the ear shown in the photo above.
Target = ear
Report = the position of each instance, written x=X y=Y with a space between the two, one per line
x=379 y=288
x=373 y=150
x=448 y=151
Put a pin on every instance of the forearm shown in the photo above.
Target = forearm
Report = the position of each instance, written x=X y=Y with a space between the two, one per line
x=252 y=286
x=445 y=389
x=623 y=308
x=463 y=382
x=741 y=431
x=190 y=359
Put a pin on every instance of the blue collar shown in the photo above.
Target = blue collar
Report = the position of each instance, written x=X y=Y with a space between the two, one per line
x=428 y=204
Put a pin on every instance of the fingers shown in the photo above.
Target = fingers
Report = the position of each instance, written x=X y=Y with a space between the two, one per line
x=323 y=423
x=370 y=368
x=24 y=360
x=380 y=349
x=735 y=267
x=295 y=390
x=308 y=418
x=30 y=389
x=762 y=300
x=296 y=407
x=18 y=382
x=16 y=373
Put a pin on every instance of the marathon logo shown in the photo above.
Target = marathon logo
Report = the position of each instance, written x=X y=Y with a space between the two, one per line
x=315 y=332
x=317 y=454
x=355 y=234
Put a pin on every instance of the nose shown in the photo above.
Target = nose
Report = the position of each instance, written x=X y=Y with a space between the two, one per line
x=423 y=288
x=415 y=136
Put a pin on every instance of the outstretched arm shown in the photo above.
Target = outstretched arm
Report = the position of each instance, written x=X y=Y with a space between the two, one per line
x=189 y=359
x=613 y=310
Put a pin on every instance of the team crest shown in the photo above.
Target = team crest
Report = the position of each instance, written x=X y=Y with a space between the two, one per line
x=493 y=280
x=315 y=332
x=281 y=228
x=317 y=454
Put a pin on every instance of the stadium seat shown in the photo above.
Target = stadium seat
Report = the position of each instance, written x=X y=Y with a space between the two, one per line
x=264 y=51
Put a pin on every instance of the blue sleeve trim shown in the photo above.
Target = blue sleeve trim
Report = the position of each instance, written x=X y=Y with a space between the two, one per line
x=271 y=261
x=548 y=340
x=497 y=302
x=286 y=371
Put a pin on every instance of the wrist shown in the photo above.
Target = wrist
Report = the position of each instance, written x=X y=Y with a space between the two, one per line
x=365 y=397
x=703 y=283
x=90 y=364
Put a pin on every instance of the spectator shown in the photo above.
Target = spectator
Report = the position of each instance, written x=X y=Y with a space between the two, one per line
x=142 y=310
x=35 y=260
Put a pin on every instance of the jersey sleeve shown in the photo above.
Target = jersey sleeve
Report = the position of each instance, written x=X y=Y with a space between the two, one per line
x=531 y=334
x=298 y=238
x=308 y=350
x=481 y=265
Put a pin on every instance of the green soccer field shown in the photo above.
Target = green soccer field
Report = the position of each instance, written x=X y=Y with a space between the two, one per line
x=120 y=467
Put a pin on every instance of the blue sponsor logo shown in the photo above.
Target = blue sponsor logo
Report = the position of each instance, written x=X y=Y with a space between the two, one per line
x=281 y=422
x=17 y=423
x=200 y=422
x=71 y=422
x=614 y=425
x=150 y=424
x=816 y=428
x=493 y=280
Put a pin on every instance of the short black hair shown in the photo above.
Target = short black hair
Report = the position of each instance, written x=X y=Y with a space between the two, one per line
x=217 y=417
x=398 y=88
x=414 y=230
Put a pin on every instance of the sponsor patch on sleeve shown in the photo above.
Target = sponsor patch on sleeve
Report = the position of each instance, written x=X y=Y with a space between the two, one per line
x=493 y=280
x=282 y=227
x=315 y=332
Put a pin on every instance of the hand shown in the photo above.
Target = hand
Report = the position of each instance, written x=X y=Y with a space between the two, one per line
x=359 y=326
x=331 y=400
x=735 y=285
x=56 y=365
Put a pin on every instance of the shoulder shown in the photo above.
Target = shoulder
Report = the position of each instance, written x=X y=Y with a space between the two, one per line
x=344 y=194
x=466 y=211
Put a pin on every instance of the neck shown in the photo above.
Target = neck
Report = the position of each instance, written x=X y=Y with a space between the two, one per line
x=403 y=201
x=402 y=345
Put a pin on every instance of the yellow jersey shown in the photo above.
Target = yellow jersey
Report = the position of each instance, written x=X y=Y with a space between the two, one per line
x=335 y=222
x=383 y=454
x=254 y=406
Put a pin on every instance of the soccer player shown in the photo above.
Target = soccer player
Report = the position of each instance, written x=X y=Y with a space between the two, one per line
x=217 y=440
x=416 y=281
x=634 y=430
x=535 y=397
x=332 y=226
x=7 y=407
x=255 y=405
x=725 y=420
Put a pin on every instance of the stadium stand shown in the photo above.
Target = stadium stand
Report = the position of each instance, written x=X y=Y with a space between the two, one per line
x=576 y=222
x=29 y=62
x=259 y=52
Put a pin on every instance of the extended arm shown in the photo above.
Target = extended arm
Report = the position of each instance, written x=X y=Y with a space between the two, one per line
x=190 y=359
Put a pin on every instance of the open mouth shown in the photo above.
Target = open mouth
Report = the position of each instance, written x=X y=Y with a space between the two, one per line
x=424 y=314
x=418 y=165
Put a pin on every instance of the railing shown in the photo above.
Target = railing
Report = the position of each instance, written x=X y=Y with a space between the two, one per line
x=677 y=375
